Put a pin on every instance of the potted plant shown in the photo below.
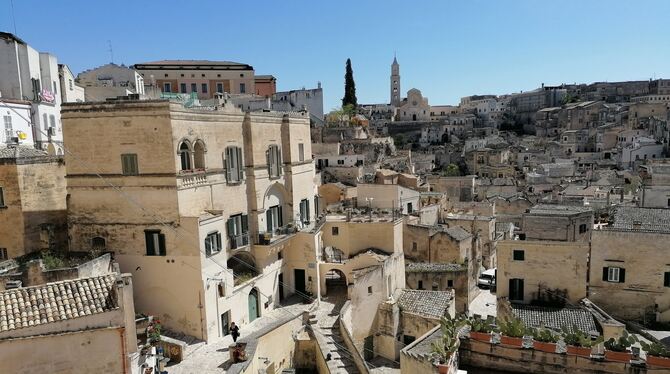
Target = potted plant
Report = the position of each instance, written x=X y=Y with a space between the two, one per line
x=578 y=343
x=480 y=329
x=657 y=354
x=513 y=331
x=154 y=332
x=444 y=348
x=544 y=340
x=618 y=349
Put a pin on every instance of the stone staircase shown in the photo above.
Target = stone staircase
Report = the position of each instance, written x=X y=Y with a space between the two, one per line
x=324 y=321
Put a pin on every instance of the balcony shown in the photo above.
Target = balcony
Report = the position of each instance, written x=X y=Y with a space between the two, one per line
x=238 y=241
x=280 y=233
x=193 y=180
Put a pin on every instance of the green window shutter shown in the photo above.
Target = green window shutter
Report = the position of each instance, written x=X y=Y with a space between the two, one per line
x=245 y=223
x=622 y=275
x=208 y=246
x=227 y=163
x=240 y=163
x=605 y=273
x=307 y=214
x=230 y=227
x=149 y=242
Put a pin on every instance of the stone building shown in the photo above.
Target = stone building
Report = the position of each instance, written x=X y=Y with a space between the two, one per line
x=414 y=108
x=32 y=202
x=395 y=83
x=81 y=325
x=202 y=77
x=266 y=85
x=198 y=204
x=628 y=274
x=110 y=81
x=557 y=222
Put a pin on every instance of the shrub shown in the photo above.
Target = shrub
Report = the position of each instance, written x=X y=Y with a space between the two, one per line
x=622 y=343
x=514 y=328
x=545 y=335
x=655 y=349
x=578 y=338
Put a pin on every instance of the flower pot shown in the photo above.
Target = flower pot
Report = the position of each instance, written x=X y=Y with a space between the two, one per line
x=508 y=340
x=480 y=336
x=544 y=346
x=579 y=351
x=443 y=368
x=658 y=361
x=618 y=356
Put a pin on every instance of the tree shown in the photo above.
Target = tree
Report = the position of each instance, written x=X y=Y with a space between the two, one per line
x=452 y=170
x=349 y=87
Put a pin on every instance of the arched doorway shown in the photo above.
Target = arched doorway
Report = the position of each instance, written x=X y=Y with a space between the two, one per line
x=243 y=266
x=254 y=310
x=336 y=283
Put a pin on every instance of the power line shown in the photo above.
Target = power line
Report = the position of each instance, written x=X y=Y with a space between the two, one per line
x=177 y=234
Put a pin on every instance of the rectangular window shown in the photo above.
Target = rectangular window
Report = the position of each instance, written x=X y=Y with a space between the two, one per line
x=234 y=167
x=414 y=246
x=274 y=161
x=516 y=289
x=167 y=87
x=450 y=283
x=582 y=228
x=9 y=133
x=666 y=279
x=155 y=242
x=194 y=87
x=301 y=152
x=219 y=87
x=129 y=164
x=614 y=274
x=370 y=290
x=45 y=121
x=335 y=231
x=420 y=285
x=182 y=87
x=204 y=88
x=70 y=84
x=238 y=230
x=274 y=218
x=3 y=254
x=2 y=197
x=519 y=255
x=304 y=211
x=243 y=88
x=340 y=162
x=213 y=243
x=52 y=121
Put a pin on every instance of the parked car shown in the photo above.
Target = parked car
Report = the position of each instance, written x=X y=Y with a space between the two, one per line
x=487 y=279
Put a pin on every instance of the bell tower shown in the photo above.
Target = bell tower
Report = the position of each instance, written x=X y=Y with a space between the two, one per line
x=395 y=83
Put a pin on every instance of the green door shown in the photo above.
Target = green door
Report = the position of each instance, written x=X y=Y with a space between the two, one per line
x=253 y=305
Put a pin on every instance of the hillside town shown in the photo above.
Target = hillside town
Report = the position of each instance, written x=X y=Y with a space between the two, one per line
x=184 y=216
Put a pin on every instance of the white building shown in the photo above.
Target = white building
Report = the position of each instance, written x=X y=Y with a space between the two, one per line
x=109 y=81
x=641 y=149
x=310 y=99
x=70 y=91
x=16 y=122
x=26 y=74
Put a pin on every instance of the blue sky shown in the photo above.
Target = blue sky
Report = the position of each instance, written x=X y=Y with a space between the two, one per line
x=447 y=49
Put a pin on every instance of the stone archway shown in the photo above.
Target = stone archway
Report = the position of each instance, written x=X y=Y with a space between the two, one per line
x=336 y=283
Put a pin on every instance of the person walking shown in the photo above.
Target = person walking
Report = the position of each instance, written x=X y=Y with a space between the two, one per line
x=234 y=331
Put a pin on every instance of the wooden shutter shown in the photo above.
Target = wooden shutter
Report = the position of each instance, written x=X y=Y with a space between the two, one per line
x=161 y=244
x=268 y=219
x=666 y=280
x=245 y=223
x=605 y=273
x=208 y=246
x=269 y=156
x=240 y=163
x=622 y=275
x=149 y=242
x=230 y=227
x=280 y=217
x=279 y=163
x=227 y=163
x=307 y=210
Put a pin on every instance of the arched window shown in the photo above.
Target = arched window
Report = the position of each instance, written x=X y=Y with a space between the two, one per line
x=185 y=156
x=199 y=155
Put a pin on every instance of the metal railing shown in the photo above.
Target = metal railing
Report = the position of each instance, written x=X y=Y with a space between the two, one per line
x=238 y=241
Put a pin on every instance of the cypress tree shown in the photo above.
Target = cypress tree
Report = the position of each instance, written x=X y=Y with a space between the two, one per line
x=349 y=87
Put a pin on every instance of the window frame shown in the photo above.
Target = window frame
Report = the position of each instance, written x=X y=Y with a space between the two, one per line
x=335 y=231
x=274 y=161
x=518 y=255
x=213 y=243
x=167 y=87
x=614 y=274
x=129 y=164
x=158 y=241
x=305 y=208
x=234 y=164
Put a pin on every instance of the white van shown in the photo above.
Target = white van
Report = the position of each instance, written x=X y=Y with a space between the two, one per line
x=487 y=279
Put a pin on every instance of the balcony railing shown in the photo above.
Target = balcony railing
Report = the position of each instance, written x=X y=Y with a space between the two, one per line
x=238 y=241
x=265 y=238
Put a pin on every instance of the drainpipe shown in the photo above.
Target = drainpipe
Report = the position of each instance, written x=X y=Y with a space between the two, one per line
x=124 y=354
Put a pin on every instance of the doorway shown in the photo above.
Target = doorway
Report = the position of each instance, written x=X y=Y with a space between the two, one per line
x=280 y=285
x=299 y=278
x=253 y=305
x=225 y=323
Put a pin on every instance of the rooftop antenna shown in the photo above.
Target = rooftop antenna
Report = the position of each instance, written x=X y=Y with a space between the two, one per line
x=11 y=2
x=111 y=51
